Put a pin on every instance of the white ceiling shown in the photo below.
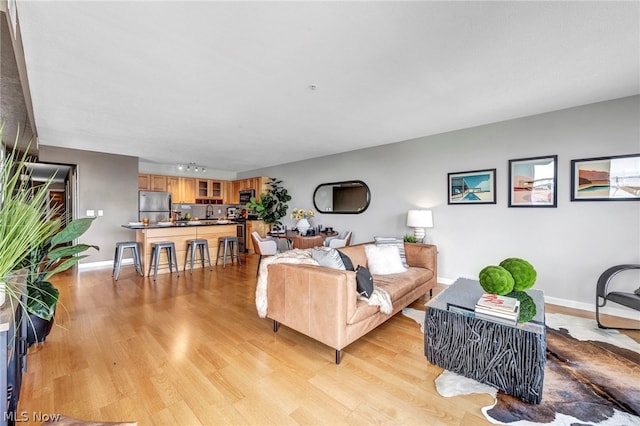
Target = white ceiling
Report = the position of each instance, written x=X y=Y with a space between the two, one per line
x=227 y=84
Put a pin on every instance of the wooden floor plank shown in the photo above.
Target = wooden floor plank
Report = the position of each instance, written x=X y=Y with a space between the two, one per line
x=192 y=350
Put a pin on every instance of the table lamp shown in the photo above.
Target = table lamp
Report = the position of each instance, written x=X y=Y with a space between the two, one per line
x=419 y=220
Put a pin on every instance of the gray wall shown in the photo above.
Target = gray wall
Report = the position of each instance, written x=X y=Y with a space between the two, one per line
x=569 y=245
x=105 y=181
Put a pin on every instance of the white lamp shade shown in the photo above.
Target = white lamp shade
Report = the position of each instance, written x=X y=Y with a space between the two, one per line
x=420 y=219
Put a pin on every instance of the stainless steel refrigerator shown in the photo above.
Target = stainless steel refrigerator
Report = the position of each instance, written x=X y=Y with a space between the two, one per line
x=154 y=205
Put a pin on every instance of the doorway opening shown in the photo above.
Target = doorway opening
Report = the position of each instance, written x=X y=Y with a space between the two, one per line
x=63 y=190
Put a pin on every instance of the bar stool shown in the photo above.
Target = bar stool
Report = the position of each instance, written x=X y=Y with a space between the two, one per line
x=154 y=259
x=223 y=244
x=192 y=245
x=117 y=257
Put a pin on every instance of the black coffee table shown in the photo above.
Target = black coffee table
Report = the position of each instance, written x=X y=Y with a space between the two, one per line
x=510 y=358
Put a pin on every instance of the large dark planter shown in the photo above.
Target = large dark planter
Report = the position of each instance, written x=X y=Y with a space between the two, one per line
x=38 y=329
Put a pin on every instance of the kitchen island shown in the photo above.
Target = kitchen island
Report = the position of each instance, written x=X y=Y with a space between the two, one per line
x=179 y=233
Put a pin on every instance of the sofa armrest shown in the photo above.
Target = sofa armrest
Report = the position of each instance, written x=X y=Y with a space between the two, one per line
x=313 y=300
x=423 y=256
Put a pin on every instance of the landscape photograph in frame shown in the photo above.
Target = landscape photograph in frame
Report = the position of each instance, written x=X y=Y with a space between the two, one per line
x=474 y=187
x=615 y=178
x=532 y=182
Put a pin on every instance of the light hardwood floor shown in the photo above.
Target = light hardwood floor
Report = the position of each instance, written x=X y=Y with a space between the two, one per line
x=191 y=350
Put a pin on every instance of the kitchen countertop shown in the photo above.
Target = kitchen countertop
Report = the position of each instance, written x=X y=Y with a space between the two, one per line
x=180 y=224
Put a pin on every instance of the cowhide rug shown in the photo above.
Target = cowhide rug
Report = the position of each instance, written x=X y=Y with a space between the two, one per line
x=592 y=377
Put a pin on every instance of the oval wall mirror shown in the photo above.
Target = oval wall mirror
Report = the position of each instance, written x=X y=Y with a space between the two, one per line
x=348 y=197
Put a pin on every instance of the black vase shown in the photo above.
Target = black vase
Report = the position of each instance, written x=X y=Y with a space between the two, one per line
x=37 y=329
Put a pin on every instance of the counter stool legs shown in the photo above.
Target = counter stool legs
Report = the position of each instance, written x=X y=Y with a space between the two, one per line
x=154 y=259
x=117 y=257
x=203 y=246
x=225 y=243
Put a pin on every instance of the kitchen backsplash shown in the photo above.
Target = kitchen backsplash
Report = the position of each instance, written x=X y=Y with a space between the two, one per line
x=200 y=210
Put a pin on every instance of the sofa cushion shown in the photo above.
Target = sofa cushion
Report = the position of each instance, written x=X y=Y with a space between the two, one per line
x=397 y=285
x=328 y=257
x=356 y=254
x=383 y=260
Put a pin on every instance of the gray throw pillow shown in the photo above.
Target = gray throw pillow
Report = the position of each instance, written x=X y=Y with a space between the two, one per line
x=328 y=257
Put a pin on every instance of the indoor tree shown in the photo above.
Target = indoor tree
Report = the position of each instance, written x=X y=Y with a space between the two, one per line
x=272 y=205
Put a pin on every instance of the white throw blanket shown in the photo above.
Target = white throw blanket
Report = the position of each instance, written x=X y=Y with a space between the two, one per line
x=303 y=256
x=297 y=256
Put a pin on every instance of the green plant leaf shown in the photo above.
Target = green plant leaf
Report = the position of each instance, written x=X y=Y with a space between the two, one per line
x=42 y=301
x=64 y=251
x=73 y=230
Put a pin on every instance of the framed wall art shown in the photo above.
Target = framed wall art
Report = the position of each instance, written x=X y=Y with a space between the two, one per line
x=474 y=187
x=615 y=178
x=533 y=182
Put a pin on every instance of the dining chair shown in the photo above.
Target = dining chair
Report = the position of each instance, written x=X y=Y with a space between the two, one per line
x=302 y=242
x=341 y=240
x=263 y=247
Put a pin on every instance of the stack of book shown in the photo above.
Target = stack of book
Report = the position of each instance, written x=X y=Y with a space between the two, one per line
x=500 y=309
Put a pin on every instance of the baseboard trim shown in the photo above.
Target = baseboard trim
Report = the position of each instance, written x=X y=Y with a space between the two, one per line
x=589 y=307
x=103 y=264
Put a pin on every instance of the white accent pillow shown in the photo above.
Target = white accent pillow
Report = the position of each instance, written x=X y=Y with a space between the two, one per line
x=384 y=260
x=393 y=241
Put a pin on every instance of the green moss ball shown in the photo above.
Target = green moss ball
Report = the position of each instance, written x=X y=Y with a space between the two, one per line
x=523 y=272
x=527 y=305
x=496 y=280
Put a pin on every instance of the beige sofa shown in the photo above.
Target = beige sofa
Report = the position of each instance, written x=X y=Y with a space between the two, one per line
x=323 y=303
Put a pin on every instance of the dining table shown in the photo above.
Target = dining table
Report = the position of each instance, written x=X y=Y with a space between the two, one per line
x=298 y=241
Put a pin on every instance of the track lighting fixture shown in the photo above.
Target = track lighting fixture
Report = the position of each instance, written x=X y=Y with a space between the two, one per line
x=192 y=166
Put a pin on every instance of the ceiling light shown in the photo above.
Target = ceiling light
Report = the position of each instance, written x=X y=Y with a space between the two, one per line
x=192 y=166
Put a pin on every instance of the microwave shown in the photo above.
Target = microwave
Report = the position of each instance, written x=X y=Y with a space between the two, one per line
x=246 y=194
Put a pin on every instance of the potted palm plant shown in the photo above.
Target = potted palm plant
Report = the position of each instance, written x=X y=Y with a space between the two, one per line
x=23 y=223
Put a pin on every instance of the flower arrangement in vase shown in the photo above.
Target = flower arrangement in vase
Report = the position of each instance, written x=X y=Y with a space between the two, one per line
x=302 y=217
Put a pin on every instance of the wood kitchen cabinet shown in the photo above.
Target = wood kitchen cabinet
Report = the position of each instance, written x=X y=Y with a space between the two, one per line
x=183 y=190
x=209 y=189
x=144 y=182
x=158 y=183
x=188 y=190
x=258 y=184
x=173 y=186
x=230 y=194
x=206 y=191
x=149 y=182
